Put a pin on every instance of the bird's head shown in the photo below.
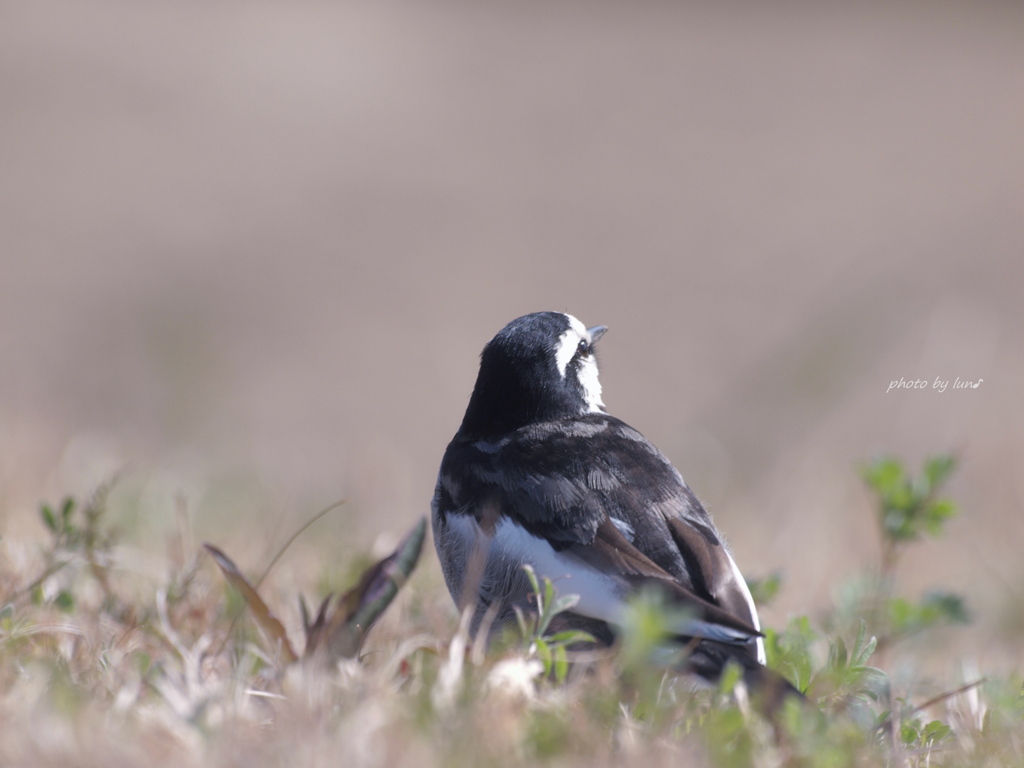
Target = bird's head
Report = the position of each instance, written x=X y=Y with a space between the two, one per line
x=538 y=367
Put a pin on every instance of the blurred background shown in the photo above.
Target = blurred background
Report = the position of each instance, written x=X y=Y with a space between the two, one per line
x=250 y=252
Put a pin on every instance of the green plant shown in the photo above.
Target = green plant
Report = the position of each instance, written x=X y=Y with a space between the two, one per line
x=550 y=648
x=79 y=538
x=908 y=509
x=94 y=680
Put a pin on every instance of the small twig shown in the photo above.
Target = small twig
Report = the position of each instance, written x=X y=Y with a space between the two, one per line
x=293 y=537
x=894 y=732
x=167 y=631
x=947 y=695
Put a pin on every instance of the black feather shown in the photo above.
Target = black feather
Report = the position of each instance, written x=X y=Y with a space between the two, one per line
x=534 y=452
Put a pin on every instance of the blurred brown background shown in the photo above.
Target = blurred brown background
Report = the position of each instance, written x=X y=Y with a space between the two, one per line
x=251 y=251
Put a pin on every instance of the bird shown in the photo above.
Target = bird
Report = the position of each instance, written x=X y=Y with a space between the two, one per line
x=540 y=474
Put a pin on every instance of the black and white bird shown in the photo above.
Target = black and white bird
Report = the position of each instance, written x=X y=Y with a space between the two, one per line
x=538 y=473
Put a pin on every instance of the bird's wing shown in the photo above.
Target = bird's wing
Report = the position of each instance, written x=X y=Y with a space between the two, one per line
x=612 y=552
x=597 y=492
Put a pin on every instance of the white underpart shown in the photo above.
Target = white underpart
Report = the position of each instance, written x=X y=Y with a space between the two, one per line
x=598 y=592
x=568 y=343
x=601 y=595
x=745 y=591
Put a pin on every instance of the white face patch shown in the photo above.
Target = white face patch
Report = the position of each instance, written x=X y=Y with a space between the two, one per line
x=587 y=375
x=568 y=343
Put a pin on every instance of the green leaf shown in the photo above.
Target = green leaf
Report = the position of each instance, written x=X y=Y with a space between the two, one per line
x=561 y=663
x=937 y=470
x=564 y=603
x=46 y=513
x=901 y=614
x=875 y=681
x=884 y=476
x=935 y=608
x=763 y=590
x=910 y=734
x=732 y=673
x=789 y=652
x=549 y=596
x=837 y=654
x=543 y=653
x=934 y=732
x=861 y=657
x=64 y=600
x=946 y=606
x=532 y=576
x=523 y=622
x=936 y=514
x=907 y=508
x=863 y=647
x=571 y=637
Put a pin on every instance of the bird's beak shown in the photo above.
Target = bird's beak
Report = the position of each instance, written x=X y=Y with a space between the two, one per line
x=596 y=332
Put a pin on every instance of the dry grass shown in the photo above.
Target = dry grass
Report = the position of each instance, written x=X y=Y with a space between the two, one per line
x=101 y=666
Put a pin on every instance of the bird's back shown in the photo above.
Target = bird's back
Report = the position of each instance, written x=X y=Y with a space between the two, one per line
x=587 y=490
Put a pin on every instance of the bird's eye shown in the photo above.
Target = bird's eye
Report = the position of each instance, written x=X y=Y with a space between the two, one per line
x=584 y=348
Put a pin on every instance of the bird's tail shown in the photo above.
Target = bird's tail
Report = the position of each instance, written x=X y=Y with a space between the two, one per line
x=768 y=689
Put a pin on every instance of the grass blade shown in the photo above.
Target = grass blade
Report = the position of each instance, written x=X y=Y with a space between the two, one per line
x=342 y=633
x=266 y=620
